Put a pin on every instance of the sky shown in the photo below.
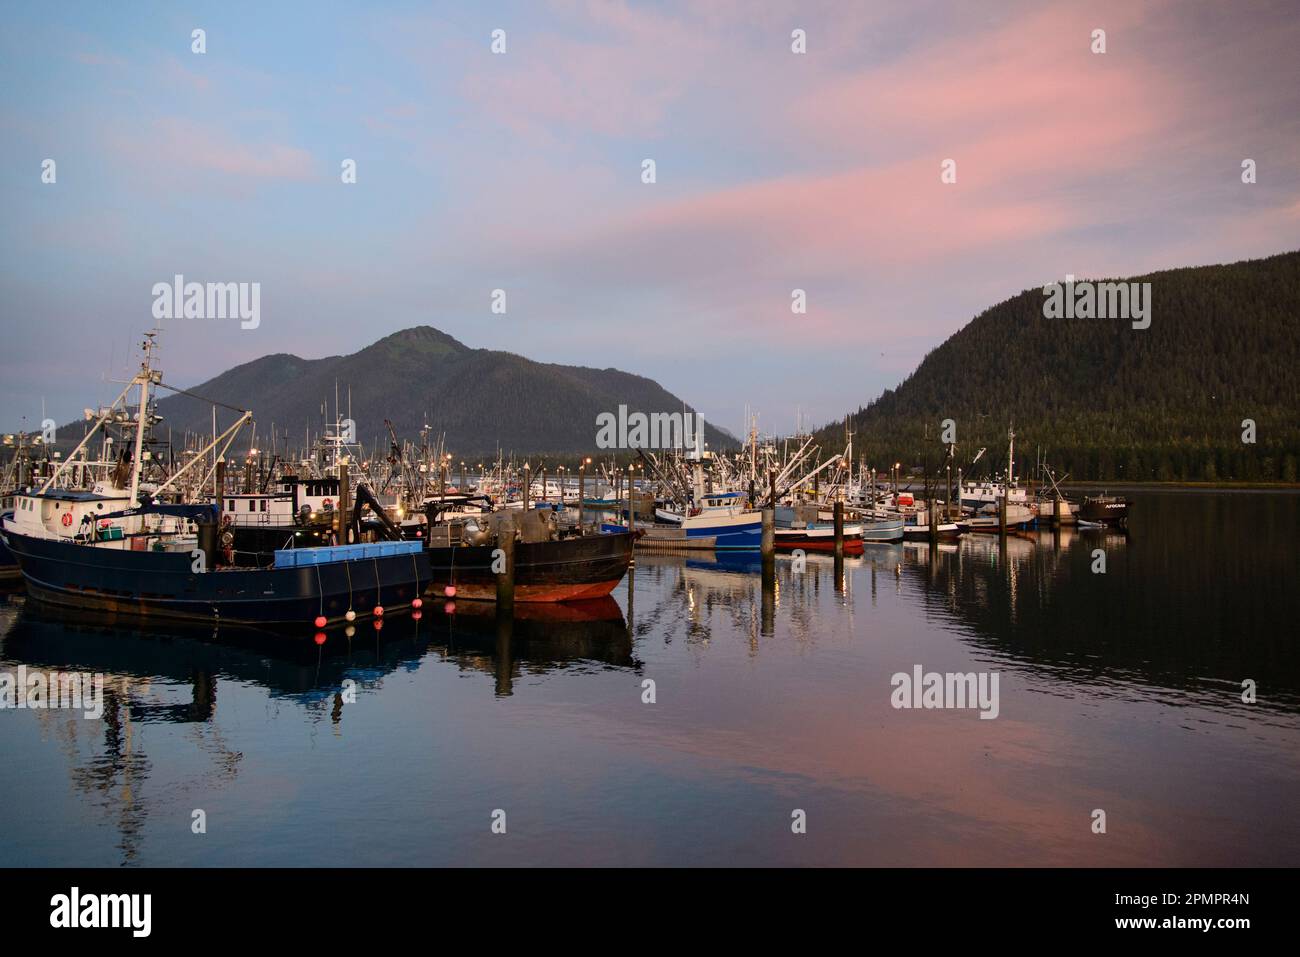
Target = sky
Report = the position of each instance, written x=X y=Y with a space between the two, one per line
x=523 y=171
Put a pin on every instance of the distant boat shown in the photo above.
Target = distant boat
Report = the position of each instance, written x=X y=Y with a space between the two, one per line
x=990 y=520
x=1106 y=509
x=819 y=538
x=918 y=531
x=883 y=530
x=725 y=517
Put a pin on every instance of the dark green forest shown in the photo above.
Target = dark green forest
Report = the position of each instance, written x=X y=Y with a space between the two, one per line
x=1106 y=402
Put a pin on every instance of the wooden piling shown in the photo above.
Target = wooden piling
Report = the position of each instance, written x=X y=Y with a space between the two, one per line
x=582 y=490
x=341 y=508
x=506 y=577
x=1002 y=514
x=631 y=501
x=767 y=551
x=839 y=529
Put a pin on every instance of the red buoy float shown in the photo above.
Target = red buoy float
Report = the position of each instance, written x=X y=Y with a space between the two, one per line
x=417 y=603
x=379 y=611
x=450 y=591
x=320 y=621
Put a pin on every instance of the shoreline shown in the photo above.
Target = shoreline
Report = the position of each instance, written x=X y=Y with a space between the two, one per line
x=1187 y=486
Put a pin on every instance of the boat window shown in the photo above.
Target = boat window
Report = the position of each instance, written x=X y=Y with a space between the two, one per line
x=263 y=501
x=252 y=505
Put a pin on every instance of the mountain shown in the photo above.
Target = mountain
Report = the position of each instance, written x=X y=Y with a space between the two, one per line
x=479 y=398
x=1105 y=401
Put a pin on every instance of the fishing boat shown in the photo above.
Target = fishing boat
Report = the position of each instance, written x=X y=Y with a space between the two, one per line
x=883 y=530
x=800 y=526
x=118 y=548
x=989 y=518
x=1105 y=509
x=818 y=538
x=724 y=517
x=917 y=530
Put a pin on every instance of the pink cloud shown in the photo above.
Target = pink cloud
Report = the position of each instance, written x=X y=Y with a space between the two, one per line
x=174 y=145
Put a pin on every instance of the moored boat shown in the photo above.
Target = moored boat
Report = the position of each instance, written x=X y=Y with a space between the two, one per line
x=117 y=548
x=1105 y=509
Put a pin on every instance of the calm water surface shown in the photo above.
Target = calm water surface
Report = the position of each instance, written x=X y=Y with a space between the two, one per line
x=1118 y=691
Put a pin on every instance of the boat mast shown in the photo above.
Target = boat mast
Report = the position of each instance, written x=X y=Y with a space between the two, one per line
x=146 y=376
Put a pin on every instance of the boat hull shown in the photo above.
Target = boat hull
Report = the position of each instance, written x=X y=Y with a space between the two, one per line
x=742 y=531
x=818 y=540
x=164 y=585
x=1105 y=511
x=889 y=530
x=945 y=532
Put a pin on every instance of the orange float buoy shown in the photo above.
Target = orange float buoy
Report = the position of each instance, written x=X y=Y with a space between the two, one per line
x=379 y=611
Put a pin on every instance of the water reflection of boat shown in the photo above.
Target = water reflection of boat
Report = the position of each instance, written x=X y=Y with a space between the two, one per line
x=1143 y=620
x=292 y=662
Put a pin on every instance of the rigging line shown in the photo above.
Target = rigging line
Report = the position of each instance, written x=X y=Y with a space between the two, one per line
x=195 y=395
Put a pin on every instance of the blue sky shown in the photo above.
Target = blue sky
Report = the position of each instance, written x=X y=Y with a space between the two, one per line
x=522 y=171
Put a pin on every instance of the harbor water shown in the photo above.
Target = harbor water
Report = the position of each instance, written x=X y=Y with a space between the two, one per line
x=695 y=718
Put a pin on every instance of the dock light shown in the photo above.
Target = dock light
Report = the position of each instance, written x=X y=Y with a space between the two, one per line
x=450 y=591
x=320 y=621
x=379 y=611
x=351 y=615
x=320 y=637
